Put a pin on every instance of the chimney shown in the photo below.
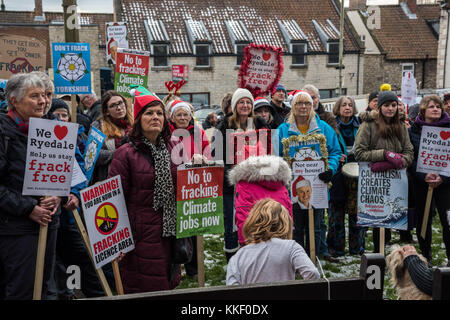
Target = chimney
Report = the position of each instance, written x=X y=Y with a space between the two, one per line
x=412 y=5
x=38 y=12
x=358 y=5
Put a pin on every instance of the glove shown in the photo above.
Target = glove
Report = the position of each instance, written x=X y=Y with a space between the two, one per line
x=381 y=166
x=395 y=158
x=326 y=176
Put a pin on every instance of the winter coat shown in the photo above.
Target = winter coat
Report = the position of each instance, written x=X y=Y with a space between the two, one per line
x=257 y=178
x=415 y=131
x=222 y=129
x=316 y=125
x=197 y=143
x=148 y=266
x=370 y=147
x=15 y=208
x=327 y=116
x=279 y=114
x=95 y=111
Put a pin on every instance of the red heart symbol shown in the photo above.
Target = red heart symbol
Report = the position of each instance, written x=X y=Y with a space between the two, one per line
x=60 y=132
x=266 y=56
x=445 y=135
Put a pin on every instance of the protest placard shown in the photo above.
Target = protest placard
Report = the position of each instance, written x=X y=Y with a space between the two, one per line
x=107 y=222
x=116 y=37
x=93 y=146
x=409 y=89
x=21 y=54
x=50 y=156
x=199 y=200
x=131 y=69
x=72 y=68
x=382 y=198
x=434 y=151
x=306 y=188
x=261 y=69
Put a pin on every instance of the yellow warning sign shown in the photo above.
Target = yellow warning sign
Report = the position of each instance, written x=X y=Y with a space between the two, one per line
x=106 y=218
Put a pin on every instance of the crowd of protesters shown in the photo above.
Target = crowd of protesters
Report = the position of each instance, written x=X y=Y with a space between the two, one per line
x=266 y=235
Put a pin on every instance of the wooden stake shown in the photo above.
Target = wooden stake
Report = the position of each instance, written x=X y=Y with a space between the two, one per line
x=382 y=232
x=200 y=262
x=87 y=245
x=312 y=242
x=117 y=278
x=426 y=212
x=40 y=261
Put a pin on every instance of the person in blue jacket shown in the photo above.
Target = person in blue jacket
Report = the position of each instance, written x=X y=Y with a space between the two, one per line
x=304 y=121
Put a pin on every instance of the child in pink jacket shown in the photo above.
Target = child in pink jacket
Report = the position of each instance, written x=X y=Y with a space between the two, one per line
x=257 y=178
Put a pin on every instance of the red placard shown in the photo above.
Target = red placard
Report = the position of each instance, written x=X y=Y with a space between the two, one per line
x=261 y=69
x=179 y=72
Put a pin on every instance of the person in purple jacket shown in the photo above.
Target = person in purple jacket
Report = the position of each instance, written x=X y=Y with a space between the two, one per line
x=148 y=177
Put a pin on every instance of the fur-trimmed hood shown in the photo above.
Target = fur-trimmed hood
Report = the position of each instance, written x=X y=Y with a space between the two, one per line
x=261 y=168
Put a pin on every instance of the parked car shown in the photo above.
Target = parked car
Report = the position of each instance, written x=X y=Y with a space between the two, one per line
x=201 y=114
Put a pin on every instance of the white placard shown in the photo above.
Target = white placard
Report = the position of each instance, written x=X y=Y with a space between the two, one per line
x=307 y=189
x=434 y=151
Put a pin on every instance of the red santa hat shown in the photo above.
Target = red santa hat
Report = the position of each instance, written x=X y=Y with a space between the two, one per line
x=296 y=93
x=141 y=101
x=177 y=104
x=298 y=183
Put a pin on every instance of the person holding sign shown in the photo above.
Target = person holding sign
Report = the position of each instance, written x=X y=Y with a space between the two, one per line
x=432 y=114
x=149 y=179
x=242 y=119
x=115 y=122
x=21 y=216
x=383 y=140
x=269 y=249
x=304 y=122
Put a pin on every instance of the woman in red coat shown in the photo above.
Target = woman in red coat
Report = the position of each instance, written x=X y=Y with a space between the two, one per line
x=149 y=183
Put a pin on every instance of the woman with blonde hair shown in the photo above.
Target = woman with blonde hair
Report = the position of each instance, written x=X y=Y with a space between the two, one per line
x=270 y=254
x=115 y=122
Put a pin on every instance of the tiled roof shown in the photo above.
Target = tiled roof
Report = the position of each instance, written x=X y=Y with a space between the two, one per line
x=259 y=17
x=27 y=17
x=402 y=38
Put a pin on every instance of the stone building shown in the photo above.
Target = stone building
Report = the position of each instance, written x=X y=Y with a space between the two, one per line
x=209 y=38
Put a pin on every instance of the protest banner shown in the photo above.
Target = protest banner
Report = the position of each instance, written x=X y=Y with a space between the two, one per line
x=107 y=222
x=200 y=205
x=50 y=156
x=409 y=89
x=308 y=156
x=433 y=157
x=261 y=69
x=382 y=199
x=72 y=68
x=116 y=37
x=179 y=72
x=132 y=68
x=21 y=54
x=93 y=146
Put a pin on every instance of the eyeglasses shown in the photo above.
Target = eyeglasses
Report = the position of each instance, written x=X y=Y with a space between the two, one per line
x=116 y=105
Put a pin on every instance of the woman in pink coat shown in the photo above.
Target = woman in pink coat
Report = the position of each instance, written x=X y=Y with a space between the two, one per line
x=258 y=178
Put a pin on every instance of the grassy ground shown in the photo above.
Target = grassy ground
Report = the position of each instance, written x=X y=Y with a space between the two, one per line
x=215 y=262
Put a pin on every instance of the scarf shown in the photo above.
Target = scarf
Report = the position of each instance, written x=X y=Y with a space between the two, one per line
x=23 y=126
x=347 y=130
x=164 y=194
x=442 y=122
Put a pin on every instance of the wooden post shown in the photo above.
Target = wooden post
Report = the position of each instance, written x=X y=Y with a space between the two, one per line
x=117 y=278
x=312 y=242
x=40 y=261
x=85 y=238
x=382 y=232
x=426 y=212
x=73 y=108
x=200 y=262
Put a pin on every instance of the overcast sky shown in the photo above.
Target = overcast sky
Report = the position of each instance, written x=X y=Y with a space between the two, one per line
x=106 y=6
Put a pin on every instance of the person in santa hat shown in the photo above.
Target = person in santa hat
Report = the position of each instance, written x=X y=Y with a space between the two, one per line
x=149 y=180
x=301 y=192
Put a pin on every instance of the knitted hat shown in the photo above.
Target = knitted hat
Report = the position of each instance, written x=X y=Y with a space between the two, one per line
x=59 y=104
x=238 y=95
x=279 y=87
x=141 y=101
x=261 y=102
x=296 y=93
x=373 y=95
x=385 y=87
x=386 y=96
x=298 y=183
x=177 y=104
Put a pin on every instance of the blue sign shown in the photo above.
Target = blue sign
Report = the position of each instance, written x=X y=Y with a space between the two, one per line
x=93 y=147
x=72 y=68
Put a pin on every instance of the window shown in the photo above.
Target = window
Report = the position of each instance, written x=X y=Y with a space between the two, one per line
x=202 y=55
x=196 y=99
x=160 y=53
x=240 y=53
x=331 y=93
x=363 y=38
x=407 y=67
x=333 y=53
x=298 y=54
